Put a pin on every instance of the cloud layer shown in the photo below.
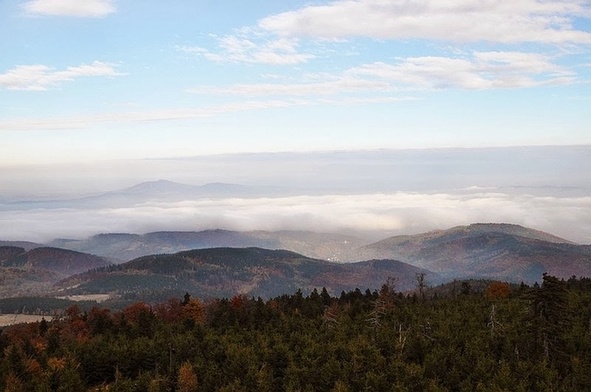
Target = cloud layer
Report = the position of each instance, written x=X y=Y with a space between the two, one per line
x=375 y=215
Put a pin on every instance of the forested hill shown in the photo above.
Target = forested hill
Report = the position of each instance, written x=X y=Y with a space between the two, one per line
x=498 y=339
x=125 y=247
x=219 y=272
x=61 y=261
x=32 y=272
x=494 y=251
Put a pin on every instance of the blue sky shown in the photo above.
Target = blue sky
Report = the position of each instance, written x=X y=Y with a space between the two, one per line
x=116 y=79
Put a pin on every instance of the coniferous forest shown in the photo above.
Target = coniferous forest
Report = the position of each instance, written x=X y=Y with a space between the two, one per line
x=485 y=337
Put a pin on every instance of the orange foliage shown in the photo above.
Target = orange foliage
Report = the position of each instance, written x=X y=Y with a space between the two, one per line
x=194 y=310
x=56 y=364
x=39 y=344
x=498 y=290
x=132 y=312
x=33 y=367
x=187 y=381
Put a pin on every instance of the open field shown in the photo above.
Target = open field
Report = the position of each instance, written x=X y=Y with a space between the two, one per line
x=10 y=319
x=90 y=297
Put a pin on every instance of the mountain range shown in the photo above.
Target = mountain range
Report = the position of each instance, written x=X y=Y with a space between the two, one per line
x=221 y=262
x=124 y=247
x=150 y=191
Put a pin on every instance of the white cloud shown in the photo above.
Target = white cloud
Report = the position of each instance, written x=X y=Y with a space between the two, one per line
x=376 y=214
x=449 y=20
x=485 y=70
x=242 y=49
x=76 y=8
x=482 y=70
x=41 y=77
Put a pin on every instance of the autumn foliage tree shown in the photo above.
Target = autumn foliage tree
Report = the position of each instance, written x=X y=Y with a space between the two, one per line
x=187 y=379
x=497 y=290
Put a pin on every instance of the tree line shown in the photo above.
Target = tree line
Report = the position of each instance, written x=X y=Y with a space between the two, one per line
x=492 y=337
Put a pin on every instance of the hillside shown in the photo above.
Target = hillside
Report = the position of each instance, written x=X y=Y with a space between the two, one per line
x=60 y=261
x=26 y=245
x=33 y=272
x=498 y=251
x=126 y=247
x=228 y=271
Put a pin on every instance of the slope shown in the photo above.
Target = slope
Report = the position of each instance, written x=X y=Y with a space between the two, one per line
x=498 y=251
x=126 y=247
x=219 y=272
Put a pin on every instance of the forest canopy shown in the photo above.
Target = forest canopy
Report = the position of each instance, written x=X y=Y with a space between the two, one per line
x=474 y=336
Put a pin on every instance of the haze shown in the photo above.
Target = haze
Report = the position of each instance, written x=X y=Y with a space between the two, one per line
x=369 y=194
x=372 y=117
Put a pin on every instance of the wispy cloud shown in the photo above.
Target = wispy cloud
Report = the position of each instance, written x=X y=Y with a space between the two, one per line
x=481 y=70
x=41 y=77
x=81 y=122
x=329 y=87
x=449 y=20
x=252 y=49
x=87 y=121
x=75 y=8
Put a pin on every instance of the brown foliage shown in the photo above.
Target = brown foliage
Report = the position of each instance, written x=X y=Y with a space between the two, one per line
x=132 y=312
x=238 y=301
x=171 y=311
x=497 y=290
x=56 y=364
x=187 y=381
x=194 y=310
x=33 y=367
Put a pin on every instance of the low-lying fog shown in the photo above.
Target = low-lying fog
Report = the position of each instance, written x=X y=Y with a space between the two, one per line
x=372 y=194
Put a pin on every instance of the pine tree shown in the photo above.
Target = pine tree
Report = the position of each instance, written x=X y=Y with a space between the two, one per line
x=549 y=319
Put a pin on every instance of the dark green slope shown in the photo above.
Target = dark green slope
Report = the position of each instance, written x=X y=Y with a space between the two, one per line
x=223 y=272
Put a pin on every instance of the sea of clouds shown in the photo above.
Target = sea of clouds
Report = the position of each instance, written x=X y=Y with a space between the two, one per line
x=372 y=194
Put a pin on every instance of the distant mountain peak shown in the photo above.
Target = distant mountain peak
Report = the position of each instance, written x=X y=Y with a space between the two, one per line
x=157 y=186
x=492 y=250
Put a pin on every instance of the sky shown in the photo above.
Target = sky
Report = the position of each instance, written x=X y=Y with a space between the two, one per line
x=395 y=116
x=122 y=79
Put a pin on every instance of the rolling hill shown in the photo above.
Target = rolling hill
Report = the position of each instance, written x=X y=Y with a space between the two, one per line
x=497 y=251
x=33 y=272
x=223 y=263
x=124 y=247
x=219 y=272
x=60 y=261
